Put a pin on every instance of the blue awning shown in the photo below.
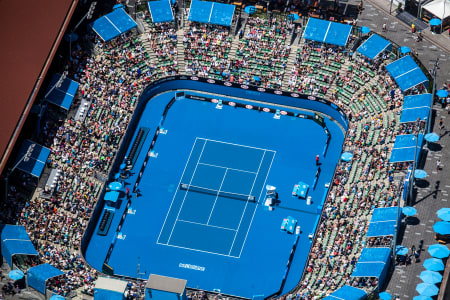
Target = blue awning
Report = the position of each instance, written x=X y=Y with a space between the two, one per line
x=384 y=228
x=405 y=147
x=61 y=95
x=416 y=107
x=113 y=24
x=15 y=241
x=385 y=214
x=37 y=276
x=160 y=11
x=373 y=46
x=373 y=262
x=347 y=293
x=406 y=73
x=327 y=32
x=211 y=12
x=112 y=196
x=31 y=158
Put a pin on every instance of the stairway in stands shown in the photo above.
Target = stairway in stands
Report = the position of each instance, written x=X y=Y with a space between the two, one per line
x=180 y=51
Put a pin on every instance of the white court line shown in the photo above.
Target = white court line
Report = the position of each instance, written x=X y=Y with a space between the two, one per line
x=217 y=196
x=235 y=144
x=246 y=203
x=239 y=170
x=187 y=191
x=173 y=199
x=207 y=225
x=262 y=189
x=197 y=250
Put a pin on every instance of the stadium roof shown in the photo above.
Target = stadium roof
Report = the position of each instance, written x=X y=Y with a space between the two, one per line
x=29 y=42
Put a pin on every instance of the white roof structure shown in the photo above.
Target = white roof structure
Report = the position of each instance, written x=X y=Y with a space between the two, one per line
x=437 y=8
x=111 y=284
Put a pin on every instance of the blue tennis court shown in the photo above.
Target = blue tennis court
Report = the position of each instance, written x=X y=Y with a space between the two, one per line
x=202 y=159
x=214 y=210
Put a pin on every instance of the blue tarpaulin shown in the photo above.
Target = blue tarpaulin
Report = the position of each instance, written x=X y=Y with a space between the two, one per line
x=37 y=276
x=15 y=241
x=327 y=32
x=405 y=147
x=373 y=46
x=347 y=293
x=406 y=73
x=373 y=262
x=384 y=221
x=63 y=94
x=109 y=289
x=416 y=107
x=32 y=157
x=160 y=11
x=113 y=24
x=112 y=196
x=211 y=12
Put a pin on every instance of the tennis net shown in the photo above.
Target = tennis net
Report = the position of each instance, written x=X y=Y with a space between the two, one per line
x=187 y=187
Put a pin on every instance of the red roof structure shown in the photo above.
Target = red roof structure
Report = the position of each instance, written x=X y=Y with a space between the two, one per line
x=31 y=33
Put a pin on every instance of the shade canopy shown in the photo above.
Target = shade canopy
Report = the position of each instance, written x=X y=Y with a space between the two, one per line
x=444 y=214
x=112 y=196
x=435 y=22
x=427 y=289
x=384 y=222
x=437 y=8
x=113 y=24
x=250 y=9
x=348 y=293
x=373 y=46
x=431 y=277
x=409 y=211
x=404 y=50
x=293 y=17
x=32 y=158
x=327 y=32
x=160 y=11
x=373 y=262
x=442 y=227
x=385 y=296
x=15 y=241
x=61 y=91
x=406 y=73
x=364 y=29
x=438 y=251
x=211 y=12
x=442 y=93
x=416 y=107
x=405 y=146
x=109 y=289
x=16 y=274
x=434 y=264
x=420 y=297
x=115 y=186
x=37 y=276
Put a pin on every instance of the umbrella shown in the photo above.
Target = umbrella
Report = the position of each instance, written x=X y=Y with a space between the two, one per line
x=117 y=176
x=442 y=227
x=420 y=297
x=442 y=93
x=431 y=277
x=346 y=156
x=293 y=17
x=364 y=29
x=434 y=264
x=71 y=37
x=256 y=78
x=16 y=274
x=385 y=296
x=118 y=6
x=427 y=289
x=401 y=250
x=418 y=173
x=409 y=211
x=122 y=166
x=432 y=137
x=250 y=10
x=438 y=251
x=404 y=50
x=57 y=297
x=444 y=213
x=435 y=22
x=115 y=186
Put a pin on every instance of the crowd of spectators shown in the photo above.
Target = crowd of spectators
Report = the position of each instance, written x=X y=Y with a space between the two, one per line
x=111 y=82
